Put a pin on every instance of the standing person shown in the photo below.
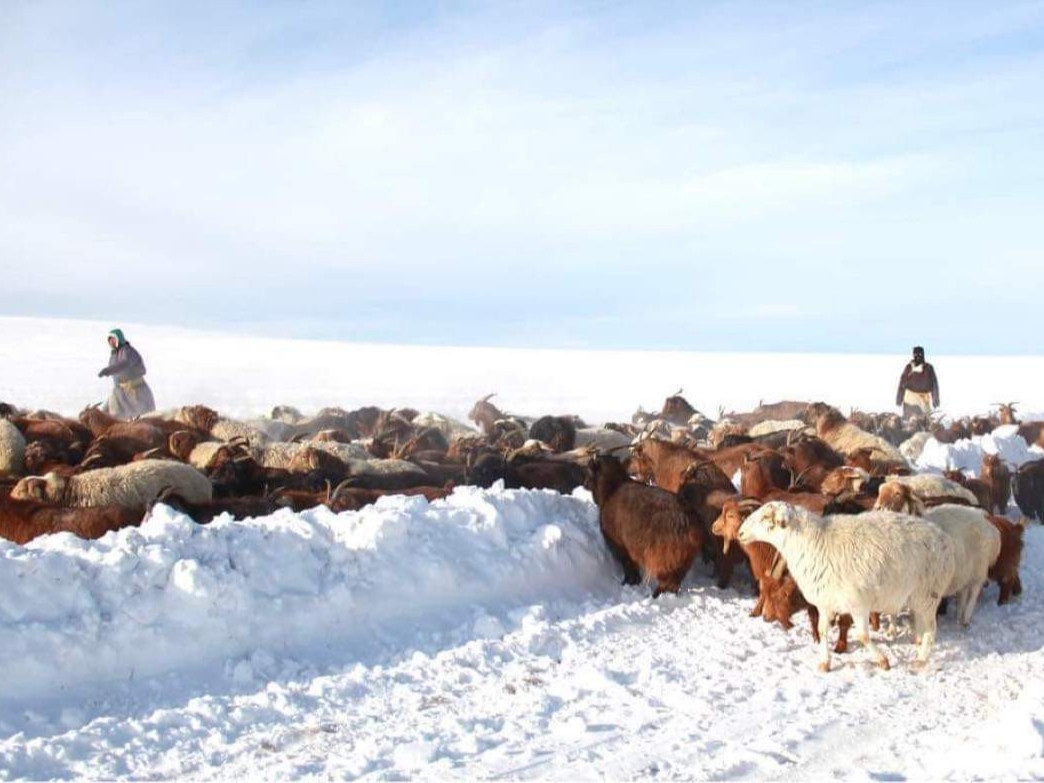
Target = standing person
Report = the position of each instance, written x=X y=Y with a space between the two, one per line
x=918 y=387
x=130 y=396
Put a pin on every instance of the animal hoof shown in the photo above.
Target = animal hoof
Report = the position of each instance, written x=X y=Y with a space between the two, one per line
x=824 y=667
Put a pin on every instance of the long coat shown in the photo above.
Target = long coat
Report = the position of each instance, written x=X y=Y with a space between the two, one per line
x=130 y=396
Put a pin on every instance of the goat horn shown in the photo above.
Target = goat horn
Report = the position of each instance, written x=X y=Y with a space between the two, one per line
x=795 y=480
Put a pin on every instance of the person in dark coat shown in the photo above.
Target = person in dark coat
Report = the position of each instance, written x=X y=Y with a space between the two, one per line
x=131 y=396
x=918 y=391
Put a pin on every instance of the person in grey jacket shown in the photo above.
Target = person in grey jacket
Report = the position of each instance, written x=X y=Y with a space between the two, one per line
x=130 y=396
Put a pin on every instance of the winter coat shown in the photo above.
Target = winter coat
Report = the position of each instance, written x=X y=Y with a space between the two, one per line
x=921 y=380
x=130 y=396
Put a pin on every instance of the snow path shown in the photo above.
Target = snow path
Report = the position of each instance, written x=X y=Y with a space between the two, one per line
x=628 y=688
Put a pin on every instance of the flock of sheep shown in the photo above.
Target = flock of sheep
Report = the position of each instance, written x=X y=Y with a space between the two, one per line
x=823 y=509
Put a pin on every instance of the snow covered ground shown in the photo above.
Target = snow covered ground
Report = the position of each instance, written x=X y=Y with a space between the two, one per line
x=482 y=636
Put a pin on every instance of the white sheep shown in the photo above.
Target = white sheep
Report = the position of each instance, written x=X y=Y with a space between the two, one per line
x=977 y=541
x=978 y=546
x=846 y=438
x=929 y=485
x=601 y=438
x=281 y=455
x=913 y=447
x=12 y=449
x=877 y=561
x=134 y=485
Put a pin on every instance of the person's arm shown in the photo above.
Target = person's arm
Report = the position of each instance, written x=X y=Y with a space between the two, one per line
x=130 y=358
x=935 y=389
x=902 y=385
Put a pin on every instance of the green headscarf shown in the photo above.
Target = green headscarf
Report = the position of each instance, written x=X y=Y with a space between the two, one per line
x=118 y=334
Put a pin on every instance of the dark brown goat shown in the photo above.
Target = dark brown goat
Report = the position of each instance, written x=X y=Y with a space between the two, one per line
x=677 y=410
x=1005 y=571
x=23 y=520
x=763 y=472
x=997 y=475
x=644 y=527
x=558 y=432
x=204 y=513
x=704 y=490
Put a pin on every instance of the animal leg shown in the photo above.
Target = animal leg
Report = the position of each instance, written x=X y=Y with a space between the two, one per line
x=844 y=622
x=671 y=582
x=862 y=626
x=971 y=599
x=924 y=624
x=824 y=641
x=813 y=619
x=724 y=572
x=632 y=574
x=1005 y=592
x=756 y=611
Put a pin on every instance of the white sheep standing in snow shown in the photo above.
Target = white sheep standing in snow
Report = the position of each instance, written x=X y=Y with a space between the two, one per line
x=978 y=545
x=877 y=561
x=977 y=541
x=134 y=485
x=12 y=449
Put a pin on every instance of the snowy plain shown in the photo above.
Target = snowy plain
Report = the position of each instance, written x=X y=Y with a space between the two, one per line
x=486 y=635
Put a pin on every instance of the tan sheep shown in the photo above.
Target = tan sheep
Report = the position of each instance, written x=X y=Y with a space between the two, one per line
x=132 y=486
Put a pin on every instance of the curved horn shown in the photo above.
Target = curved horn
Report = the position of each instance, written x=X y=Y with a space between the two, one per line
x=795 y=481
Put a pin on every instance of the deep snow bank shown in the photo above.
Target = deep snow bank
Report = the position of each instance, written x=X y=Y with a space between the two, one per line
x=79 y=617
x=966 y=454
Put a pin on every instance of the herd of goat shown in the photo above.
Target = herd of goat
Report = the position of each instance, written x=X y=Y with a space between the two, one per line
x=825 y=510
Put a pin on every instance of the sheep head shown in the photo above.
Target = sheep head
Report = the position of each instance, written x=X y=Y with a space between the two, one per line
x=30 y=488
x=770 y=522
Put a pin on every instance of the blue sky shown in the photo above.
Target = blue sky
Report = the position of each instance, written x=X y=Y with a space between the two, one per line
x=705 y=176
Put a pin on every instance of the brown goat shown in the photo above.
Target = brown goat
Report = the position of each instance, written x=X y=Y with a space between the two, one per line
x=347 y=498
x=644 y=527
x=981 y=489
x=484 y=413
x=779 y=597
x=1005 y=572
x=763 y=472
x=1006 y=412
x=704 y=490
x=811 y=458
x=997 y=475
x=23 y=520
x=862 y=458
x=663 y=462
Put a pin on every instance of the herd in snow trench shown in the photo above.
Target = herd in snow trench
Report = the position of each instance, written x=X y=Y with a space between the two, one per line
x=829 y=517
